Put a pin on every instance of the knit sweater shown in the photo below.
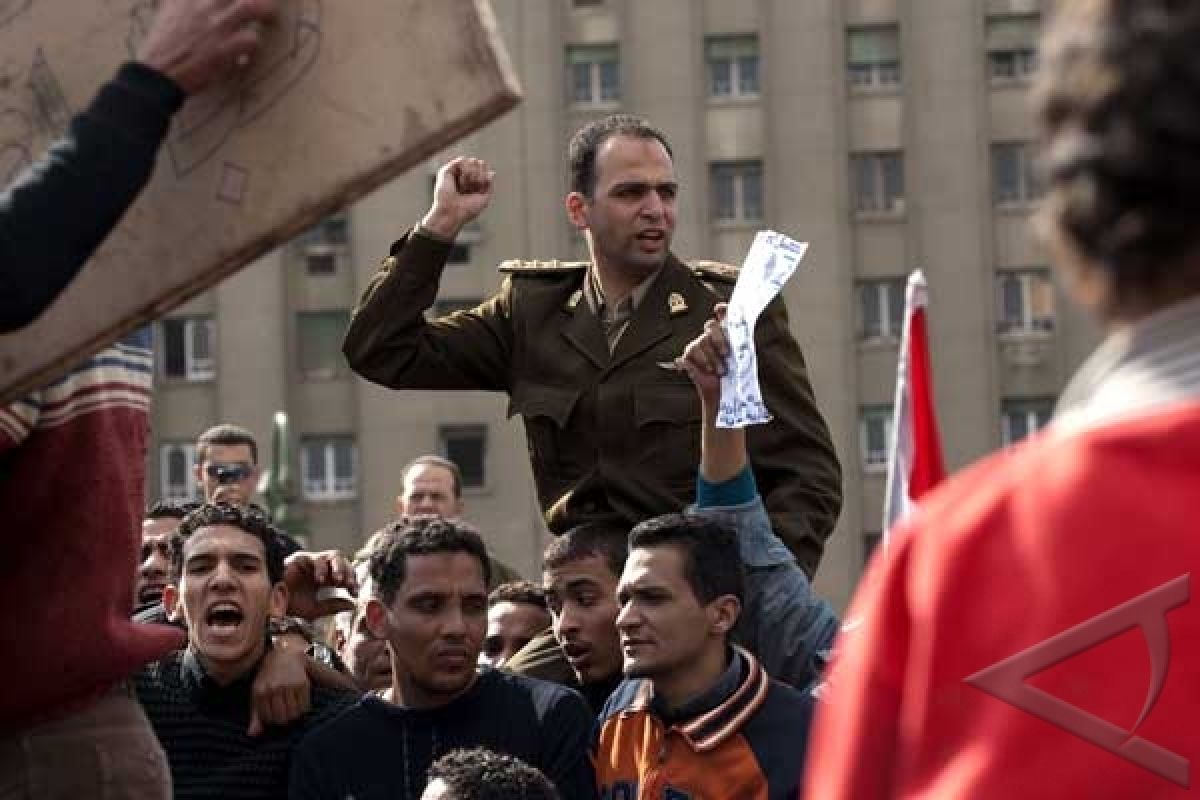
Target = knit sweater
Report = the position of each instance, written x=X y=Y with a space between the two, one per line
x=202 y=727
x=72 y=454
x=381 y=750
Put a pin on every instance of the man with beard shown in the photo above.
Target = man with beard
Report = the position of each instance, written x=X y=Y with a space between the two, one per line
x=578 y=347
x=429 y=602
x=227 y=584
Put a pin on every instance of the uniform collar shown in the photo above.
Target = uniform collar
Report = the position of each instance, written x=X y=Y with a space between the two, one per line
x=595 y=293
x=709 y=719
x=1146 y=367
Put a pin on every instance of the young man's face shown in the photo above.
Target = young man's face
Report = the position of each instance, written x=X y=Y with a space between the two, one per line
x=428 y=491
x=230 y=458
x=226 y=596
x=434 y=627
x=663 y=628
x=582 y=595
x=510 y=627
x=631 y=214
x=155 y=567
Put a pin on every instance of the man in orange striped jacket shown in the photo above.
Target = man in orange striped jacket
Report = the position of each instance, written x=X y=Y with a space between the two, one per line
x=695 y=717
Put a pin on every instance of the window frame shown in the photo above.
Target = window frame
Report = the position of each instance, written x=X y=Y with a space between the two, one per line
x=329 y=490
x=1028 y=326
x=339 y=368
x=883 y=303
x=576 y=56
x=735 y=62
x=879 y=75
x=880 y=206
x=1023 y=58
x=1027 y=190
x=867 y=414
x=737 y=172
x=1036 y=411
x=192 y=486
x=195 y=370
x=451 y=431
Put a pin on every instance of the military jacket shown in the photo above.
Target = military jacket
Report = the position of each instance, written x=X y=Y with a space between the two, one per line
x=608 y=433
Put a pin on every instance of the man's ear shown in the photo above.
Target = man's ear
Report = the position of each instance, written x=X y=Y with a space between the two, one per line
x=723 y=613
x=376 y=616
x=278 y=602
x=577 y=210
x=170 y=601
x=399 y=506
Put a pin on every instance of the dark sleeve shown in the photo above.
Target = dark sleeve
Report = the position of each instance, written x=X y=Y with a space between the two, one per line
x=55 y=215
x=389 y=341
x=306 y=781
x=567 y=734
x=796 y=467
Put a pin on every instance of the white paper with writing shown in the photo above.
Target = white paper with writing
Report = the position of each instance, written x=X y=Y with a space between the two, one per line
x=771 y=261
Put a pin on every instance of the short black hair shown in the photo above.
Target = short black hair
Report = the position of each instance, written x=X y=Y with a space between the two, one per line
x=526 y=592
x=229 y=436
x=166 y=509
x=480 y=774
x=249 y=520
x=436 y=461
x=712 y=562
x=581 y=152
x=1118 y=99
x=608 y=539
x=418 y=537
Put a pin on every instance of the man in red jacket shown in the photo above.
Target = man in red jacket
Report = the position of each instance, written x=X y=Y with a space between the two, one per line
x=1030 y=631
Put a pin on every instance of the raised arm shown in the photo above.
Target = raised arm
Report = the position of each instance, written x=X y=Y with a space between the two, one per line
x=389 y=340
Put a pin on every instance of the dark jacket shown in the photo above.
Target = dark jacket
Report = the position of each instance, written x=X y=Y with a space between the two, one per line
x=606 y=433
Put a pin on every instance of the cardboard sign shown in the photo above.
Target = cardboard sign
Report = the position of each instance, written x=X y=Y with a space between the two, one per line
x=344 y=96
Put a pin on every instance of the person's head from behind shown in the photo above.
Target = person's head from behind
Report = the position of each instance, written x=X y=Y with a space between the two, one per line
x=580 y=570
x=432 y=487
x=429 y=580
x=680 y=596
x=516 y=613
x=623 y=191
x=227 y=464
x=1118 y=99
x=227 y=583
x=154 y=566
x=479 y=774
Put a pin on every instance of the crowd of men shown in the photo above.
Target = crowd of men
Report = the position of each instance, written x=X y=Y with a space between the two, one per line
x=673 y=646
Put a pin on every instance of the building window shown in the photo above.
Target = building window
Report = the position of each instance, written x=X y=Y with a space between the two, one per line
x=592 y=75
x=187 y=348
x=323 y=244
x=587 y=3
x=873 y=56
x=881 y=309
x=1021 y=417
x=444 y=308
x=737 y=191
x=878 y=182
x=1013 y=181
x=871 y=541
x=1024 y=301
x=875 y=431
x=330 y=466
x=1012 y=46
x=177 y=472
x=459 y=254
x=319 y=335
x=466 y=446
x=732 y=66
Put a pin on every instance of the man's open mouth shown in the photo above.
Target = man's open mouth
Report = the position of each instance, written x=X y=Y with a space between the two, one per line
x=224 y=617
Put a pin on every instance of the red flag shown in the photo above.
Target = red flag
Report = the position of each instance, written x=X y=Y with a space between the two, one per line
x=915 y=460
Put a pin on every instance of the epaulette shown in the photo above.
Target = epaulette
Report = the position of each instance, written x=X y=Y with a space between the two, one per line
x=541 y=268
x=714 y=271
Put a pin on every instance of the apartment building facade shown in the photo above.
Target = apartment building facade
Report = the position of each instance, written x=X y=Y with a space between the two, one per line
x=890 y=134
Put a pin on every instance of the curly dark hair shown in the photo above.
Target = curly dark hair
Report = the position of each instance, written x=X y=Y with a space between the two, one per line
x=479 y=774
x=581 y=152
x=249 y=520
x=713 y=564
x=1118 y=99
x=526 y=592
x=416 y=537
x=166 y=509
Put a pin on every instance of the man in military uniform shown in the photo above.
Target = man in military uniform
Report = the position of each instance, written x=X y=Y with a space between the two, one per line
x=580 y=348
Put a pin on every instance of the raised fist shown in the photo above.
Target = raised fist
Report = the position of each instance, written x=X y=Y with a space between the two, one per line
x=460 y=194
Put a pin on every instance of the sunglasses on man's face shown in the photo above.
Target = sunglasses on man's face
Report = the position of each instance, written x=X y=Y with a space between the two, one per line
x=228 y=473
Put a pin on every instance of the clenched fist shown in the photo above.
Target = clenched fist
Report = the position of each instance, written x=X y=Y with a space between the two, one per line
x=461 y=193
